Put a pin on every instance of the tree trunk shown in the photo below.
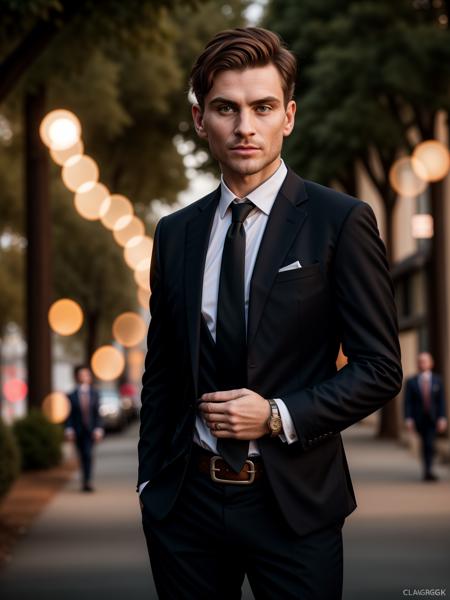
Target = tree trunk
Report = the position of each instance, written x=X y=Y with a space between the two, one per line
x=388 y=424
x=38 y=292
x=32 y=46
x=436 y=309
x=1 y=375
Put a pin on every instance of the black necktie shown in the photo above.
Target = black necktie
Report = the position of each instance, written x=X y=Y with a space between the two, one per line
x=231 y=343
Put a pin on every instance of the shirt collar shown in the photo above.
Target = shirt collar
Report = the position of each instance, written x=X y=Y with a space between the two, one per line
x=262 y=197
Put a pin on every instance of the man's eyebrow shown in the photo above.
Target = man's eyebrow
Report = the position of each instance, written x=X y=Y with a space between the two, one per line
x=221 y=100
x=266 y=100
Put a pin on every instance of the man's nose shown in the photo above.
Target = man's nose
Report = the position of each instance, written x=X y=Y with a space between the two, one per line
x=245 y=124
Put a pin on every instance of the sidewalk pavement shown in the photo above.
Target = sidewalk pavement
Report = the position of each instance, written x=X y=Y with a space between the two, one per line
x=398 y=538
x=87 y=545
x=90 y=545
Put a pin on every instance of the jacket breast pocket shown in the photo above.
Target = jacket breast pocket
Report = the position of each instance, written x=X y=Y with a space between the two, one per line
x=294 y=288
x=302 y=273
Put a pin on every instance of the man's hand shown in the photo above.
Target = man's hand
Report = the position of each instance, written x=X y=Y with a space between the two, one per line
x=441 y=424
x=69 y=434
x=410 y=425
x=98 y=434
x=241 y=414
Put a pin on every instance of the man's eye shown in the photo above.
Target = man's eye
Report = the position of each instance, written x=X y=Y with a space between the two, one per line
x=263 y=108
x=225 y=108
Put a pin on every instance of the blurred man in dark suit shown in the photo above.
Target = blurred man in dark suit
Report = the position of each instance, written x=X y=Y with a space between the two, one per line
x=84 y=424
x=425 y=409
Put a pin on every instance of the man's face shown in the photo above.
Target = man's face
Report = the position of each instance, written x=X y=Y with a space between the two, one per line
x=245 y=120
x=424 y=361
x=84 y=376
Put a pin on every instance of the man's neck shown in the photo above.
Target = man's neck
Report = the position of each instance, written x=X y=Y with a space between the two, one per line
x=242 y=185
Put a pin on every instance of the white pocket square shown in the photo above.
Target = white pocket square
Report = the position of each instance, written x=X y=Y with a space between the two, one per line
x=292 y=266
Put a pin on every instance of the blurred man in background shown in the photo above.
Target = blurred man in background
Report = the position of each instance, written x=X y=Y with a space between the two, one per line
x=425 y=409
x=84 y=424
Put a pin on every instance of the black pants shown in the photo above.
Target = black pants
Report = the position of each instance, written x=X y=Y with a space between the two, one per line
x=84 y=445
x=216 y=533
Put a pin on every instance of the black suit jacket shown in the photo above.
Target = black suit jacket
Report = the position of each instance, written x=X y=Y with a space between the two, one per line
x=296 y=321
x=414 y=401
x=75 y=419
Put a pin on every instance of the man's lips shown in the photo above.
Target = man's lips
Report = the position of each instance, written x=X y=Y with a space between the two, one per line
x=244 y=149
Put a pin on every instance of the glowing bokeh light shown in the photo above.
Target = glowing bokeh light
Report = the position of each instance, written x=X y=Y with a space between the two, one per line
x=132 y=228
x=56 y=407
x=65 y=317
x=129 y=329
x=15 y=390
x=143 y=297
x=404 y=179
x=89 y=202
x=107 y=363
x=62 y=156
x=422 y=226
x=433 y=160
x=142 y=274
x=60 y=129
x=79 y=173
x=140 y=249
x=113 y=210
x=136 y=359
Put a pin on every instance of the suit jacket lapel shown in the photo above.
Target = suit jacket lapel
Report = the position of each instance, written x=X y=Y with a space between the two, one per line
x=197 y=237
x=284 y=223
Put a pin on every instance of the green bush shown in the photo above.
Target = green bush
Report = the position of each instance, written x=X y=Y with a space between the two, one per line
x=39 y=440
x=9 y=458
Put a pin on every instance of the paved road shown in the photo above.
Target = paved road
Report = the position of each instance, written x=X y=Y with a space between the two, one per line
x=88 y=545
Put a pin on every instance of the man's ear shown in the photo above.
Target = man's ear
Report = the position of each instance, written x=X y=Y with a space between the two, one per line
x=290 y=118
x=197 y=116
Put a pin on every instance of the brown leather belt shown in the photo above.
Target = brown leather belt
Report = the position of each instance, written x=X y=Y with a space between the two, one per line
x=221 y=472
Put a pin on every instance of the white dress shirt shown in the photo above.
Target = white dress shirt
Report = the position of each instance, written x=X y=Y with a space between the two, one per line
x=263 y=198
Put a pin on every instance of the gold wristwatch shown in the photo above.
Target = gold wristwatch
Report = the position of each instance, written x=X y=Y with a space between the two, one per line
x=274 y=421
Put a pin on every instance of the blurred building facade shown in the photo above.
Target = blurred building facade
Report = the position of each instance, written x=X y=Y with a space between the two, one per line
x=411 y=269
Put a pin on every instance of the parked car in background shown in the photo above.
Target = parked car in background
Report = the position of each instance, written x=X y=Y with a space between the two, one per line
x=130 y=401
x=112 y=410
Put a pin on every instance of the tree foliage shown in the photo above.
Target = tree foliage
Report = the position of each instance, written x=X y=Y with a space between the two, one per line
x=372 y=77
x=123 y=69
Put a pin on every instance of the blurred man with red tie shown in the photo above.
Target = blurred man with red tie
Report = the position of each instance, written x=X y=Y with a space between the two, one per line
x=84 y=425
x=425 y=409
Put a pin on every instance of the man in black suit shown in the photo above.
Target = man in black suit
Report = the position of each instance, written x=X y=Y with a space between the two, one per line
x=425 y=409
x=242 y=468
x=84 y=424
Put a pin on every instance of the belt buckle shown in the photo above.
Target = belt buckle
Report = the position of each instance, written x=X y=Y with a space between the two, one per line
x=212 y=470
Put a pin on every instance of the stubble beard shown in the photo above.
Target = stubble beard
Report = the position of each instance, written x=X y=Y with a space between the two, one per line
x=249 y=166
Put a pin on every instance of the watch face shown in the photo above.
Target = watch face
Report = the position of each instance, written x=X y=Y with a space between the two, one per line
x=275 y=424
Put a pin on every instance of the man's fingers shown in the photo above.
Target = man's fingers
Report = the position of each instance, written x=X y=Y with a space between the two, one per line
x=213 y=407
x=223 y=396
x=218 y=417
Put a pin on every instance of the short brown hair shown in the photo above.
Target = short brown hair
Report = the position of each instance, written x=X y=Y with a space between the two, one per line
x=242 y=48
